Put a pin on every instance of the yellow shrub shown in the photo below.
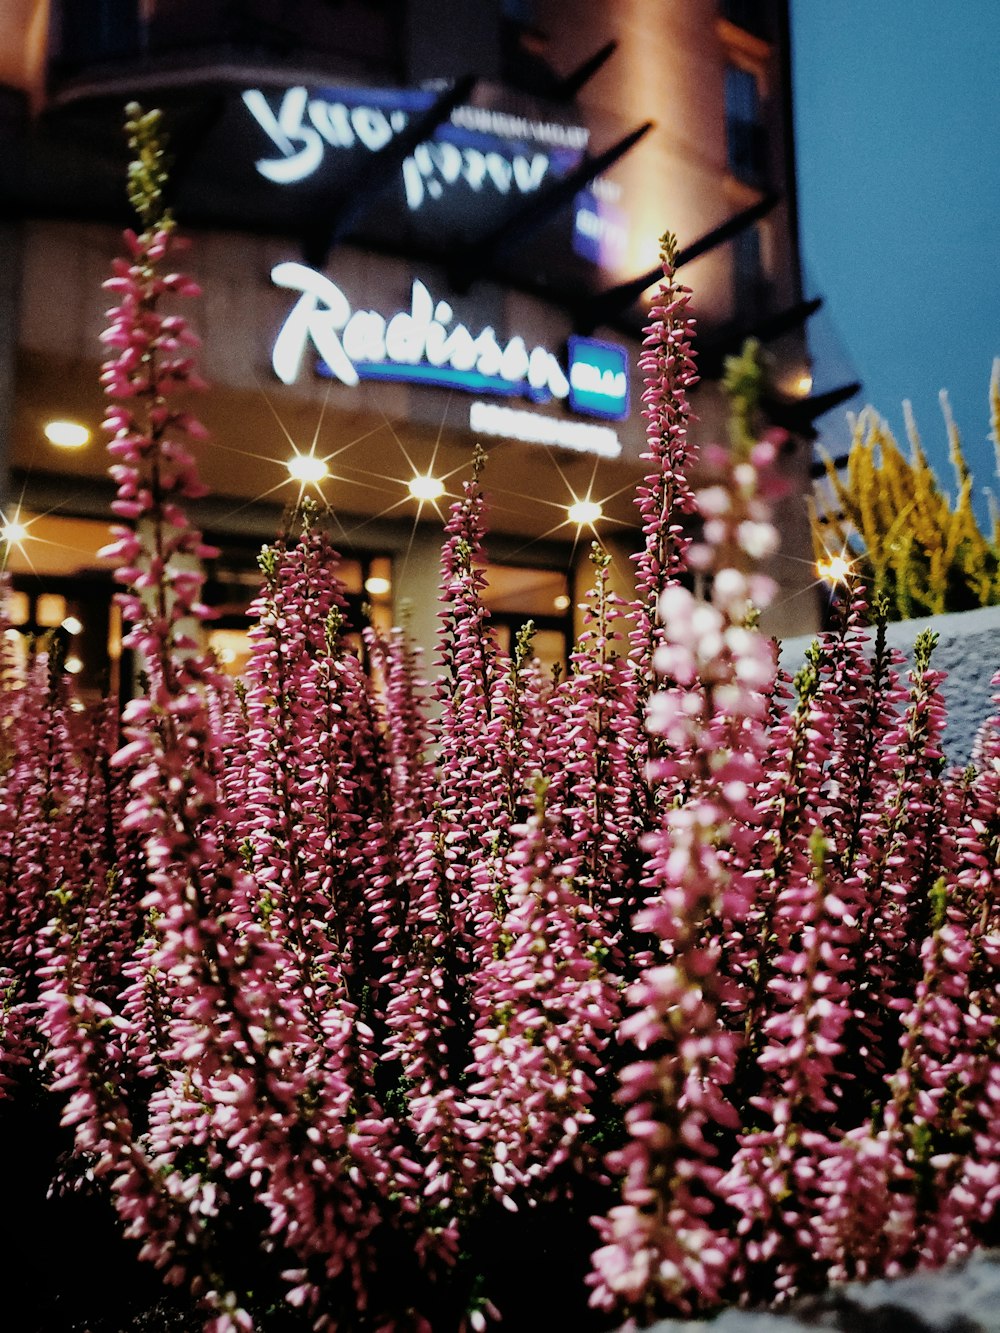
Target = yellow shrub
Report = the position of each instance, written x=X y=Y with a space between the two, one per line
x=891 y=518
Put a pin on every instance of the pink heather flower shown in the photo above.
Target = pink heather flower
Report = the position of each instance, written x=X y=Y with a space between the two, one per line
x=664 y=497
x=474 y=808
x=663 y=1247
x=45 y=813
x=545 y=1010
x=322 y=981
x=597 y=791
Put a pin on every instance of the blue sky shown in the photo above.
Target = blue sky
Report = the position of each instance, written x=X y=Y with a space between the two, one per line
x=897 y=122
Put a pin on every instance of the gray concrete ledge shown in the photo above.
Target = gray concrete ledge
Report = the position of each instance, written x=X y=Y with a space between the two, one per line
x=963 y=1298
x=968 y=650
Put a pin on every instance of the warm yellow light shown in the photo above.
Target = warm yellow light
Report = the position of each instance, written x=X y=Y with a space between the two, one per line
x=17 y=608
x=426 y=488
x=67 y=434
x=833 y=569
x=50 y=609
x=73 y=665
x=230 y=647
x=804 y=384
x=13 y=531
x=377 y=585
x=72 y=625
x=584 y=511
x=561 y=603
x=307 y=468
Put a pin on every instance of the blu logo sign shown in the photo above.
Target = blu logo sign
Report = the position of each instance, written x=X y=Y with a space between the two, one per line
x=598 y=378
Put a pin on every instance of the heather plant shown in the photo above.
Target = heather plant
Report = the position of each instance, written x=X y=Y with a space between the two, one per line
x=915 y=546
x=351 y=996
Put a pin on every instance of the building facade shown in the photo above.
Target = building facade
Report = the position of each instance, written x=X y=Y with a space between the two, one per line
x=418 y=225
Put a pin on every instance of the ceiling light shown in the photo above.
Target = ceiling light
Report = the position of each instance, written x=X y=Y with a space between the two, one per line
x=584 y=511
x=377 y=585
x=307 y=468
x=67 y=434
x=833 y=569
x=13 y=531
x=72 y=625
x=426 y=488
x=73 y=665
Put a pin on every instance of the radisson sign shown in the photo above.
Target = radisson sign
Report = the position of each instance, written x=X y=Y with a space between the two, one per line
x=424 y=344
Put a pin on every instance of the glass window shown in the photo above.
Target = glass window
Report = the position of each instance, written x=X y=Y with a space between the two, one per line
x=234 y=579
x=516 y=594
x=59 y=588
x=750 y=285
x=86 y=31
x=745 y=144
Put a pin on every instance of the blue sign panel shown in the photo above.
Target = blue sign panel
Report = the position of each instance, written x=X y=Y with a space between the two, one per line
x=598 y=378
x=600 y=230
x=477 y=151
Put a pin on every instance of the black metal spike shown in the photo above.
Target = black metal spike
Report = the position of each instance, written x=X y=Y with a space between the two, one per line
x=378 y=170
x=537 y=209
x=188 y=136
x=601 y=308
x=797 y=415
x=568 y=87
x=713 y=351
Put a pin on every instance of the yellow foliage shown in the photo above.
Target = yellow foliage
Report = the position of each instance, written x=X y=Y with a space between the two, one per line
x=890 y=516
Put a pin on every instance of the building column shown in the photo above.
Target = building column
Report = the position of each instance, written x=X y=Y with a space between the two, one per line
x=10 y=293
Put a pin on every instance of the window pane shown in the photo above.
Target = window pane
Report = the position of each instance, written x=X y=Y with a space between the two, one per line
x=745 y=145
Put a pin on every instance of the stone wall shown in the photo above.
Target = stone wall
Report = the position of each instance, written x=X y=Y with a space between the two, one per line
x=962 y=1298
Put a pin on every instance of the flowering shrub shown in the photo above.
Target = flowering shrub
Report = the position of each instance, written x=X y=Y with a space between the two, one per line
x=668 y=984
x=890 y=517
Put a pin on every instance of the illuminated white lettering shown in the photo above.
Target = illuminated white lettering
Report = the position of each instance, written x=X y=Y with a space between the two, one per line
x=423 y=336
x=529 y=172
x=506 y=126
x=538 y=369
x=320 y=312
x=448 y=160
x=591 y=379
x=303 y=127
x=371 y=126
x=588 y=223
x=333 y=122
x=500 y=171
x=300 y=145
x=487 y=354
x=406 y=333
x=534 y=428
x=514 y=364
x=364 y=336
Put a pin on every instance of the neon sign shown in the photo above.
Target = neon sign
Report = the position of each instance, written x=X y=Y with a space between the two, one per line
x=598 y=378
x=513 y=424
x=483 y=150
x=600 y=224
x=422 y=344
